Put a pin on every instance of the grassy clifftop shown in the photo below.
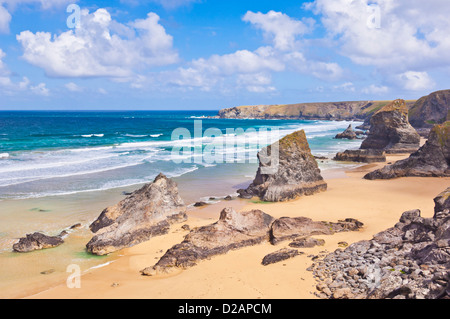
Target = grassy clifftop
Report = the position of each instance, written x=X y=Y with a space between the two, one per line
x=352 y=110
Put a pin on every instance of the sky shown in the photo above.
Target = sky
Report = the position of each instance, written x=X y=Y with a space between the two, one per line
x=214 y=54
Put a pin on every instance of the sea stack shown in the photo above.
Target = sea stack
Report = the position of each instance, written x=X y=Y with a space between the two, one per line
x=146 y=213
x=390 y=130
x=348 y=134
x=297 y=172
x=432 y=160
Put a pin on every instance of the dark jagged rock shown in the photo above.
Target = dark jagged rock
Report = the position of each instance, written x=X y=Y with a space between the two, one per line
x=362 y=156
x=236 y=230
x=280 y=255
x=146 y=213
x=292 y=174
x=291 y=228
x=37 y=241
x=348 y=134
x=200 y=204
x=431 y=110
x=408 y=261
x=431 y=160
x=232 y=231
x=307 y=242
x=390 y=130
x=442 y=203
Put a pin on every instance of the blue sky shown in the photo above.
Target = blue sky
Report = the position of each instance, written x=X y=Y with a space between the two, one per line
x=212 y=54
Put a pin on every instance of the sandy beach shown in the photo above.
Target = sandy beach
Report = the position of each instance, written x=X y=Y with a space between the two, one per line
x=240 y=274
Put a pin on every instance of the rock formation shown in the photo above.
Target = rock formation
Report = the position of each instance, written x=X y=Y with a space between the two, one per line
x=236 y=230
x=37 y=241
x=390 y=130
x=296 y=172
x=362 y=156
x=408 y=261
x=431 y=160
x=348 y=134
x=280 y=255
x=300 y=227
x=431 y=110
x=307 y=242
x=232 y=231
x=146 y=213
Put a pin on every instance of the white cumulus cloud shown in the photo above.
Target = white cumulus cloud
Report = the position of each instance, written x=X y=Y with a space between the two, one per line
x=101 y=47
x=415 y=81
x=282 y=29
x=394 y=36
x=5 y=19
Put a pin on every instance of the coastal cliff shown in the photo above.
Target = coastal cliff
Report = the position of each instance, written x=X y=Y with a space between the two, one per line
x=339 y=111
x=430 y=110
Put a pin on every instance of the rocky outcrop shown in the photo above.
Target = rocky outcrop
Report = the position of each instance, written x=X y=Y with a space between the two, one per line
x=431 y=110
x=291 y=174
x=236 y=230
x=348 y=134
x=37 y=241
x=390 y=130
x=361 y=156
x=300 y=227
x=232 y=231
x=307 y=242
x=280 y=255
x=431 y=160
x=146 y=213
x=408 y=261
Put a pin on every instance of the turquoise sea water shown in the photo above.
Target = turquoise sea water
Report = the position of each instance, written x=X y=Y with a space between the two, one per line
x=59 y=153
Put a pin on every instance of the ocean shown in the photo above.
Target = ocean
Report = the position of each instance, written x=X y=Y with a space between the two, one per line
x=62 y=168
x=46 y=154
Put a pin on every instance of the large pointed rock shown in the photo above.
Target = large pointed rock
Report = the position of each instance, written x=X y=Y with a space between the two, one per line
x=232 y=231
x=390 y=130
x=291 y=174
x=144 y=214
x=432 y=160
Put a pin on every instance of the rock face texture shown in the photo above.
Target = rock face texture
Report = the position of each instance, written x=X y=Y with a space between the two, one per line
x=362 y=156
x=236 y=230
x=300 y=227
x=280 y=255
x=146 y=213
x=390 y=130
x=431 y=110
x=307 y=242
x=37 y=241
x=408 y=261
x=431 y=160
x=232 y=231
x=296 y=171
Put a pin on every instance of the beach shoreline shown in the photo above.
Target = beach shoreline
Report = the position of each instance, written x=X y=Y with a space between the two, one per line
x=239 y=274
